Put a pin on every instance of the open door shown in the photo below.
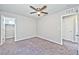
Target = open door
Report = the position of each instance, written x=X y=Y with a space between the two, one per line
x=69 y=28
x=8 y=29
x=70 y=32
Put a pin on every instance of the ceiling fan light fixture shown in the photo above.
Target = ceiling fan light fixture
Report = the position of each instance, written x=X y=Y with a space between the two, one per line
x=38 y=13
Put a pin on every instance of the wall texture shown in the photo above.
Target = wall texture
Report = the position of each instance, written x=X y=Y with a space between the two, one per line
x=26 y=27
x=49 y=27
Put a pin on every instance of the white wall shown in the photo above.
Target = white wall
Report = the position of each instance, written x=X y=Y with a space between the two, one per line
x=49 y=27
x=25 y=27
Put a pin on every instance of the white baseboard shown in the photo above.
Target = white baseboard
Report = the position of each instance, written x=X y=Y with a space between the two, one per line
x=25 y=38
x=49 y=40
x=39 y=37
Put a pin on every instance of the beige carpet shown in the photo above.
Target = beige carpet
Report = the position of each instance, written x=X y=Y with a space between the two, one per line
x=34 y=46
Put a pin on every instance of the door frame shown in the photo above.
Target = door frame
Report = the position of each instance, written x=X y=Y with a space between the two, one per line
x=4 y=27
x=2 y=18
x=76 y=29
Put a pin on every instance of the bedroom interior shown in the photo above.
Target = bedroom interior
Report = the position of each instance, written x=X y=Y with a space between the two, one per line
x=38 y=29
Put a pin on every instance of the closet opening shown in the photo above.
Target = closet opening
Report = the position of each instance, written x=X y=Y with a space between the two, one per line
x=8 y=32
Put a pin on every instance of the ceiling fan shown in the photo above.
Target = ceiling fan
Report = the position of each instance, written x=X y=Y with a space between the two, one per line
x=39 y=11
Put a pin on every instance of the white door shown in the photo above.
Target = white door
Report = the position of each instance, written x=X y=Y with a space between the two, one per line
x=2 y=29
x=69 y=28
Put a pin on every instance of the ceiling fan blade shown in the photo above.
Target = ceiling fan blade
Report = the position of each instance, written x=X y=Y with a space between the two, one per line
x=43 y=8
x=44 y=12
x=33 y=8
x=32 y=12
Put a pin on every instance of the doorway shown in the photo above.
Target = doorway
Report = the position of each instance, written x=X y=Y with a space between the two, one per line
x=69 y=28
x=8 y=29
x=69 y=32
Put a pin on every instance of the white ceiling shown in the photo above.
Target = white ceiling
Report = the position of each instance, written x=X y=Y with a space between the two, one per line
x=24 y=9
